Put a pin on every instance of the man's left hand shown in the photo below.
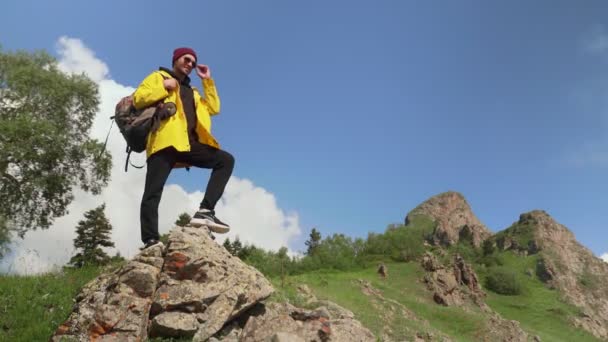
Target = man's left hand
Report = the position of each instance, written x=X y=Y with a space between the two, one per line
x=203 y=71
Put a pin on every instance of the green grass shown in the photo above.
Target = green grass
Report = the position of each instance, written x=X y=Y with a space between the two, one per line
x=402 y=286
x=522 y=234
x=538 y=309
x=32 y=307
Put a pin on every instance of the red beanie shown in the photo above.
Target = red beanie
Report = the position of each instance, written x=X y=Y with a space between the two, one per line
x=177 y=53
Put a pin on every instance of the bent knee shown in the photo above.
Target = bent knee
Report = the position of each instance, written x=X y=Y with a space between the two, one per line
x=228 y=159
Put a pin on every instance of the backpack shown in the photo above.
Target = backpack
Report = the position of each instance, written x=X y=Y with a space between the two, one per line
x=135 y=125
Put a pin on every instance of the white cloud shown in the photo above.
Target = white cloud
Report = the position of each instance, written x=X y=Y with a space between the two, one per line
x=604 y=257
x=252 y=211
x=76 y=58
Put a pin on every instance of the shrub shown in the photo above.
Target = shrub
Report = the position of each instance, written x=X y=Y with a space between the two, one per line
x=503 y=281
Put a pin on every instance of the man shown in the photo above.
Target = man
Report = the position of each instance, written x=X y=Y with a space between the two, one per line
x=183 y=139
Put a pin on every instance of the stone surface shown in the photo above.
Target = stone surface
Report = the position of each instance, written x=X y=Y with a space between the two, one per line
x=454 y=219
x=115 y=306
x=282 y=321
x=565 y=265
x=195 y=289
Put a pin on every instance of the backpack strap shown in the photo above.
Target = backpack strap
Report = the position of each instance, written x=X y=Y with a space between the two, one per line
x=127 y=160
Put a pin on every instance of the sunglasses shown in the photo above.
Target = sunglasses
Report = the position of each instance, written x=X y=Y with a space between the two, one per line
x=189 y=60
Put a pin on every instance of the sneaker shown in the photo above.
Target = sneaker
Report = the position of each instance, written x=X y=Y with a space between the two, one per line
x=152 y=243
x=206 y=217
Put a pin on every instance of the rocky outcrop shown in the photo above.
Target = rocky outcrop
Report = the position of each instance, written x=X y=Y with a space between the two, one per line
x=282 y=322
x=565 y=265
x=197 y=290
x=451 y=285
x=454 y=220
x=115 y=306
x=458 y=285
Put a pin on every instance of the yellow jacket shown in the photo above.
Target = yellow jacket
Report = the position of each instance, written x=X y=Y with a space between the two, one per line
x=174 y=130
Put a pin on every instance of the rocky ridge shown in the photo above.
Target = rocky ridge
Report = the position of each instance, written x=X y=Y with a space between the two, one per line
x=195 y=289
x=454 y=219
x=564 y=264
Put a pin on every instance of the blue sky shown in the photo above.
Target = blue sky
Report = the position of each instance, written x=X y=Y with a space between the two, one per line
x=353 y=112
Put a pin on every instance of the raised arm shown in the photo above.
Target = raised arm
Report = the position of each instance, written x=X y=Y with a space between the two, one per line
x=211 y=100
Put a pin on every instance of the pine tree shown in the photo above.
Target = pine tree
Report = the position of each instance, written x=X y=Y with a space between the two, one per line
x=313 y=242
x=228 y=245
x=183 y=220
x=237 y=247
x=92 y=233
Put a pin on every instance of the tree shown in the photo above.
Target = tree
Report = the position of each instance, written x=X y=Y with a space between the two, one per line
x=228 y=245
x=92 y=233
x=237 y=246
x=313 y=242
x=45 y=119
x=5 y=238
x=183 y=220
x=164 y=238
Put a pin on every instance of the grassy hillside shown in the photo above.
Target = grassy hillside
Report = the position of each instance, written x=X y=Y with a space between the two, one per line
x=538 y=309
x=32 y=307
x=396 y=308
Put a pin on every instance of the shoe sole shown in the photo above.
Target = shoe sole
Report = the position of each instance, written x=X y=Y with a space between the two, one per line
x=154 y=245
x=214 y=227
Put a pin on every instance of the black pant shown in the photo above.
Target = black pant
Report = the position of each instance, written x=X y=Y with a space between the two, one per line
x=160 y=165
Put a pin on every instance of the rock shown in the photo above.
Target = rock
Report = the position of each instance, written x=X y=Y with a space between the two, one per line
x=199 y=288
x=174 y=324
x=447 y=284
x=454 y=218
x=275 y=320
x=565 y=265
x=336 y=311
x=201 y=278
x=383 y=271
x=500 y=329
x=465 y=275
x=286 y=337
x=430 y=263
x=194 y=289
x=115 y=306
x=305 y=292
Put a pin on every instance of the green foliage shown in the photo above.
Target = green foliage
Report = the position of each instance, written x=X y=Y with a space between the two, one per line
x=539 y=309
x=313 y=242
x=490 y=260
x=32 y=307
x=164 y=239
x=488 y=247
x=401 y=291
x=340 y=252
x=503 y=281
x=183 y=220
x=45 y=119
x=5 y=237
x=521 y=236
x=235 y=247
x=270 y=263
x=92 y=234
x=399 y=242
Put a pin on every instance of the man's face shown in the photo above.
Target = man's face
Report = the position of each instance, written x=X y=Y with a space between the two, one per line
x=185 y=64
